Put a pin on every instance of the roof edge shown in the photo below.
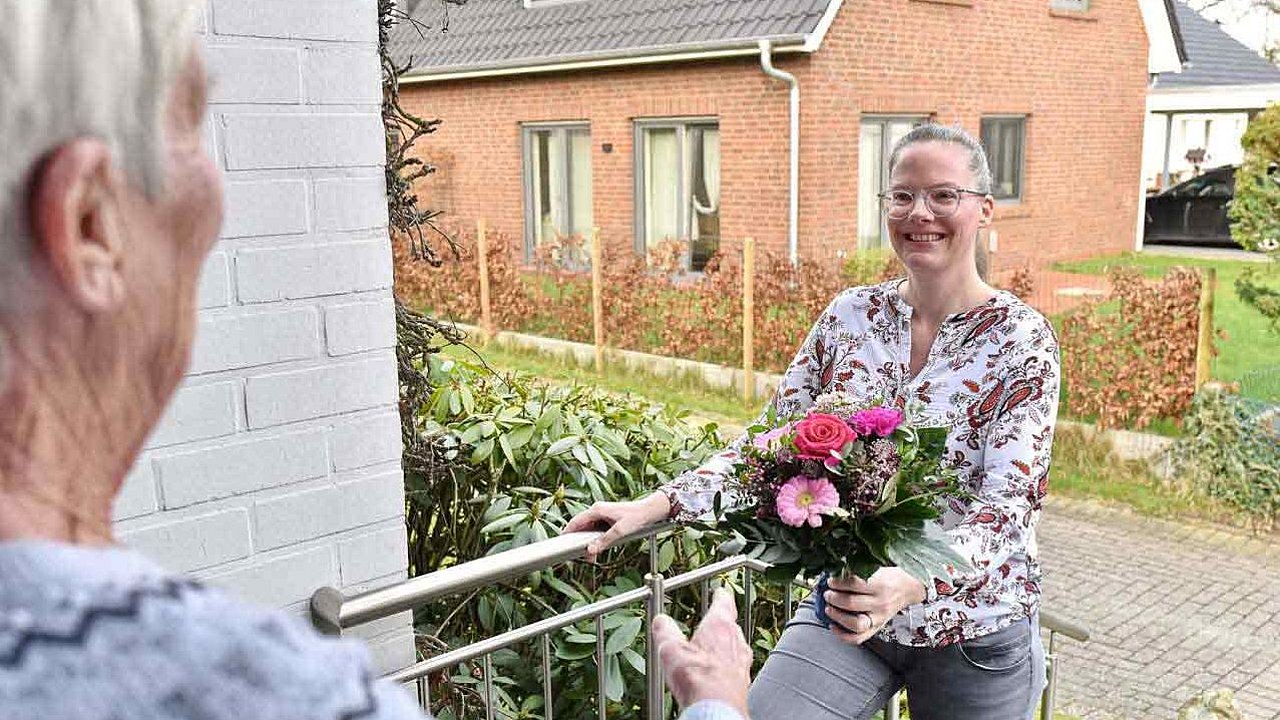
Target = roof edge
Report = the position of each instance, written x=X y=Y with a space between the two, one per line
x=614 y=58
x=814 y=39
x=1178 y=42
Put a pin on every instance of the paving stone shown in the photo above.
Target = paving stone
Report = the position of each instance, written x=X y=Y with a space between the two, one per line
x=1173 y=610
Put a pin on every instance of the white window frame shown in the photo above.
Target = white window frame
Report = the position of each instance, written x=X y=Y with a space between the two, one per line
x=1020 y=181
x=684 y=218
x=1069 y=5
x=527 y=134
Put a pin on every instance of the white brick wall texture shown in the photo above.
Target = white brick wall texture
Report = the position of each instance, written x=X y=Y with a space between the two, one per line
x=276 y=468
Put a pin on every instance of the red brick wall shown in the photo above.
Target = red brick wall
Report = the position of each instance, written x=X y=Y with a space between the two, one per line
x=1080 y=79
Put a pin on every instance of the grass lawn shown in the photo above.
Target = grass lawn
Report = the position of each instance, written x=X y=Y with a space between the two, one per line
x=685 y=394
x=1250 y=344
x=1082 y=468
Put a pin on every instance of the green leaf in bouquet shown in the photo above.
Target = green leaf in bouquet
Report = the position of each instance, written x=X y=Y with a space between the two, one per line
x=784 y=555
x=925 y=553
x=782 y=573
x=733 y=545
x=910 y=513
x=875 y=541
x=932 y=441
x=888 y=494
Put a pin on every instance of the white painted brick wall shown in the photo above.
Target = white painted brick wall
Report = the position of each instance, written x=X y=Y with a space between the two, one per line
x=357 y=327
x=276 y=469
x=265 y=207
x=305 y=271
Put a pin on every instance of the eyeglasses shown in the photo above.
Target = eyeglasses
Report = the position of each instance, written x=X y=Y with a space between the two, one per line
x=941 y=201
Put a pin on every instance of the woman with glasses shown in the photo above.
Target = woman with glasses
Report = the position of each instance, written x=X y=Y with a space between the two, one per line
x=965 y=355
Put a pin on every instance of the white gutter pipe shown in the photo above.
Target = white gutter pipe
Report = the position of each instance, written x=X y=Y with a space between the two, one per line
x=793 y=176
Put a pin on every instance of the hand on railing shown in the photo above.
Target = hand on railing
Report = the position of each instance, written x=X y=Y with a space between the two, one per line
x=618 y=519
x=714 y=665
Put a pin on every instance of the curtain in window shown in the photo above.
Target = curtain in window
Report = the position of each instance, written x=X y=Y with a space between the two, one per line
x=707 y=149
x=661 y=186
x=580 y=183
x=870 y=160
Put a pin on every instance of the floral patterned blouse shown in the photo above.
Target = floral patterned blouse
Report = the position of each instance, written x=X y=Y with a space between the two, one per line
x=992 y=377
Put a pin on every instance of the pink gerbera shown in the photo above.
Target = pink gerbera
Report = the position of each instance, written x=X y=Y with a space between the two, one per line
x=805 y=500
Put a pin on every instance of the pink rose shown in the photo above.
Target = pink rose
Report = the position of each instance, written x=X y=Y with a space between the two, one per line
x=805 y=500
x=818 y=434
x=878 y=421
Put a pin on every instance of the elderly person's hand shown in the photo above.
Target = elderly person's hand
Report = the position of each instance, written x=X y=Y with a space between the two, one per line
x=715 y=664
x=859 y=608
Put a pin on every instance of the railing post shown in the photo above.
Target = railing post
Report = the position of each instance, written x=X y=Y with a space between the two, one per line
x=1049 y=698
x=891 y=709
x=601 y=669
x=653 y=664
x=489 y=713
x=547 y=712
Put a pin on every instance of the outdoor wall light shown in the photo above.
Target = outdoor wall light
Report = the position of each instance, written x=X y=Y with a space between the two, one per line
x=606 y=147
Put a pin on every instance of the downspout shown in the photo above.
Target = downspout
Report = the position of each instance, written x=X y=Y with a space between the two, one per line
x=793 y=176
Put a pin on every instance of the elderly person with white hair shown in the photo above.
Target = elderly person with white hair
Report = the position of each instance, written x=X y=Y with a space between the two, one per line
x=108 y=206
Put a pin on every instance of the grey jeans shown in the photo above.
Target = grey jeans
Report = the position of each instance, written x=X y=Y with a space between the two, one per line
x=812 y=675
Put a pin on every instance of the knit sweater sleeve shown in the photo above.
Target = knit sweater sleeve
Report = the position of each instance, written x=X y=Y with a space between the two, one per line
x=169 y=648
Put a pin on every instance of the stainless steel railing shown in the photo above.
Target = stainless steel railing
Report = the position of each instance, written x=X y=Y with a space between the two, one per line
x=332 y=612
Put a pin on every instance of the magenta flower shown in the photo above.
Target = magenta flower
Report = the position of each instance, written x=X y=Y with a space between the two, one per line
x=805 y=500
x=878 y=421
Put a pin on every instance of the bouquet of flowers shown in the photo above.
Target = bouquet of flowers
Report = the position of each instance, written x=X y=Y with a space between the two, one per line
x=844 y=490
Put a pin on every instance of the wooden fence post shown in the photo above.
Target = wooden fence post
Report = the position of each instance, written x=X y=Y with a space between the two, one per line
x=482 y=253
x=1204 y=341
x=748 y=319
x=597 y=297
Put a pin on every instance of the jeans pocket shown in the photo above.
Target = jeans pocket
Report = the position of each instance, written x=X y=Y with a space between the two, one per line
x=1000 y=651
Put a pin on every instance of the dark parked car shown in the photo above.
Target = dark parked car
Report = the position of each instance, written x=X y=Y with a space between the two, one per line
x=1193 y=212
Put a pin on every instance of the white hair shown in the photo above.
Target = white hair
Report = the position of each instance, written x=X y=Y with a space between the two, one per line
x=77 y=68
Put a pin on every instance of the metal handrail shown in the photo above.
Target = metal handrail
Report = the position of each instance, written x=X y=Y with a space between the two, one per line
x=332 y=612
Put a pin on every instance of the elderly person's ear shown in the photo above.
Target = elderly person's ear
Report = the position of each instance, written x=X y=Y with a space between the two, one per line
x=76 y=216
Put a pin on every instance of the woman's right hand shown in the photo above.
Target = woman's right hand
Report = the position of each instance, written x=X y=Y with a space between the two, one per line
x=618 y=519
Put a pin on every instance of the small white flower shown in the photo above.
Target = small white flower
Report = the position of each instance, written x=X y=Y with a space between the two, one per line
x=836 y=403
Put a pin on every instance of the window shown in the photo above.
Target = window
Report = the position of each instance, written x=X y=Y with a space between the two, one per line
x=1004 y=139
x=1076 y=5
x=557 y=183
x=678 y=187
x=876 y=139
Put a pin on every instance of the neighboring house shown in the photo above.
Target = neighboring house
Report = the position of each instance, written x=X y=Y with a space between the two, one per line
x=1204 y=109
x=657 y=119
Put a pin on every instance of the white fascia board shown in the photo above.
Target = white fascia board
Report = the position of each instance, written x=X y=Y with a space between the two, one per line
x=813 y=40
x=789 y=45
x=1226 y=98
x=1162 y=48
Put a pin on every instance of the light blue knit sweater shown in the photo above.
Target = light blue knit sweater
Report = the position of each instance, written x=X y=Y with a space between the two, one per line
x=105 y=634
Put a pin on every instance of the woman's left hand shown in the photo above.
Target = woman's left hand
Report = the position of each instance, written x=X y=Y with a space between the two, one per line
x=864 y=606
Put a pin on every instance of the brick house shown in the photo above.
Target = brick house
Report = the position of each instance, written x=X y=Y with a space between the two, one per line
x=656 y=119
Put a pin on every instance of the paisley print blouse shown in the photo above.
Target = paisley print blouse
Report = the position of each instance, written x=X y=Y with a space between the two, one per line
x=992 y=377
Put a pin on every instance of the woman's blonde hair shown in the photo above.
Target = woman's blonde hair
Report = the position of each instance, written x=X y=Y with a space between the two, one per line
x=955 y=135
